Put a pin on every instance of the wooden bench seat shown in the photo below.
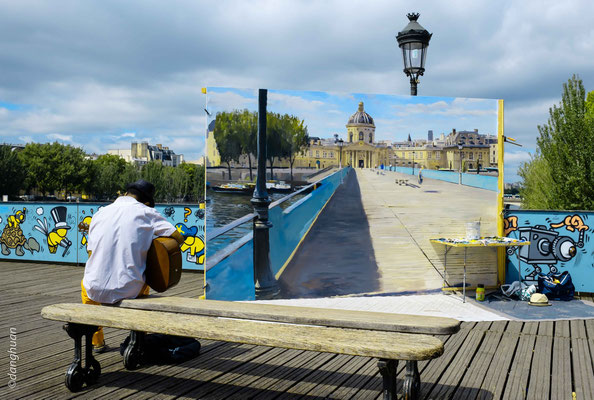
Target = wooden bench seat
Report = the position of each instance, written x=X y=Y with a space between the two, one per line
x=259 y=324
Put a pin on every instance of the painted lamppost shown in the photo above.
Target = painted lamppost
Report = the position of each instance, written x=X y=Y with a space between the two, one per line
x=414 y=40
x=265 y=283
x=460 y=147
x=340 y=143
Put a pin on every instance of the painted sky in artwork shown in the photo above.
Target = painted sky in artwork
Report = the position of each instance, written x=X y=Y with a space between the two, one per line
x=326 y=114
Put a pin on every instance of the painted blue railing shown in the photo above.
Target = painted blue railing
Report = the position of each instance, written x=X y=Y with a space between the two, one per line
x=474 y=180
x=230 y=272
x=31 y=231
x=559 y=241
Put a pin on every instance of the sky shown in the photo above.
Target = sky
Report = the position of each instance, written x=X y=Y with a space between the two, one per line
x=100 y=74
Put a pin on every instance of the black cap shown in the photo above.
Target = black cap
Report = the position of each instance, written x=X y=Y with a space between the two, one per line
x=147 y=189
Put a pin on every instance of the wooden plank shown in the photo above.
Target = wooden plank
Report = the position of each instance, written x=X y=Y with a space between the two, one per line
x=299 y=315
x=471 y=384
x=381 y=344
x=170 y=381
x=541 y=370
x=578 y=329
x=517 y=382
x=583 y=374
x=497 y=373
x=456 y=370
x=561 y=378
x=223 y=386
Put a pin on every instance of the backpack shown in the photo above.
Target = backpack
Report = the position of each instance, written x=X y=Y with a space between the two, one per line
x=166 y=349
x=556 y=286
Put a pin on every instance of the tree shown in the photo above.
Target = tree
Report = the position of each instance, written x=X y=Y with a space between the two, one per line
x=13 y=175
x=561 y=173
x=277 y=146
x=249 y=136
x=53 y=166
x=153 y=172
x=227 y=138
x=109 y=176
x=296 y=137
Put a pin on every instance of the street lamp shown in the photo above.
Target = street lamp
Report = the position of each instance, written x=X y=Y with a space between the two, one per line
x=340 y=143
x=413 y=170
x=460 y=147
x=413 y=40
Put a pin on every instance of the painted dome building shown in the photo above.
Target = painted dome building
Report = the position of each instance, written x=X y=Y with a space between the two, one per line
x=360 y=149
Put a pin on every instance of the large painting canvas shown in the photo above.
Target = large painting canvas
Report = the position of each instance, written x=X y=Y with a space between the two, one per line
x=359 y=184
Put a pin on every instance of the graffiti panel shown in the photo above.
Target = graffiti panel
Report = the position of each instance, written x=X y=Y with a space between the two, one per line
x=559 y=241
x=57 y=232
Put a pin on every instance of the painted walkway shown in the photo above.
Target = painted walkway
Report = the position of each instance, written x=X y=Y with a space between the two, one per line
x=373 y=236
x=485 y=360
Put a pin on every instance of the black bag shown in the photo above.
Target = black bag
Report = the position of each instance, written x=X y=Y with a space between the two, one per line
x=166 y=349
x=556 y=286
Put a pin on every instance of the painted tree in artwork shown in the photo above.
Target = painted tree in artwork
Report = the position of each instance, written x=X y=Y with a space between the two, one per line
x=560 y=174
x=228 y=138
x=296 y=138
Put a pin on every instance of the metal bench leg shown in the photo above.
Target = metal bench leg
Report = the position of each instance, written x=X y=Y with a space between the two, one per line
x=388 y=369
x=134 y=352
x=76 y=375
x=412 y=381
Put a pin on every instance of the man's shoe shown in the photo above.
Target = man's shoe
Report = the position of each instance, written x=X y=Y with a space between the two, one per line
x=100 y=349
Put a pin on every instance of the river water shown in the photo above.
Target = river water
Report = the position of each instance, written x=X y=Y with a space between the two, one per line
x=224 y=208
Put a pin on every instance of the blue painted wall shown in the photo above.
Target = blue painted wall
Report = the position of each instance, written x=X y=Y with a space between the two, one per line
x=30 y=231
x=559 y=241
x=474 y=180
x=233 y=277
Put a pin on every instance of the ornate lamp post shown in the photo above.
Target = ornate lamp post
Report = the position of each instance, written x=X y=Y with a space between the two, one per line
x=264 y=281
x=414 y=40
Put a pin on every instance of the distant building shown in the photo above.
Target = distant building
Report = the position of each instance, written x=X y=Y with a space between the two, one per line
x=142 y=153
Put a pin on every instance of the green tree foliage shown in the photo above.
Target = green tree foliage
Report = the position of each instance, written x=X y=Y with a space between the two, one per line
x=109 y=176
x=560 y=175
x=227 y=134
x=236 y=134
x=296 y=138
x=53 y=166
x=249 y=136
x=13 y=175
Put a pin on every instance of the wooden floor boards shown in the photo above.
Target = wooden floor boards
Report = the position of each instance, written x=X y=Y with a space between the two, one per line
x=485 y=360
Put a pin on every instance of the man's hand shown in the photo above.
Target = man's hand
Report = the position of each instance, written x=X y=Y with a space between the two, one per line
x=178 y=237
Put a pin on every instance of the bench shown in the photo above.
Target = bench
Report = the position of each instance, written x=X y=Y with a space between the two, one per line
x=388 y=337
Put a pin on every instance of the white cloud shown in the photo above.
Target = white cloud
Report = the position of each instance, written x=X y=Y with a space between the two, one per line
x=57 y=136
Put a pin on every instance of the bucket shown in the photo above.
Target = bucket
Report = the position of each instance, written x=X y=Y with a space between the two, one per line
x=473 y=230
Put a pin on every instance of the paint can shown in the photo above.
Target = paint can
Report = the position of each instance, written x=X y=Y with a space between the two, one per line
x=480 y=292
x=473 y=230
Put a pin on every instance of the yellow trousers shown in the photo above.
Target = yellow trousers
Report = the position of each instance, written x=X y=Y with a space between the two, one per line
x=98 y=339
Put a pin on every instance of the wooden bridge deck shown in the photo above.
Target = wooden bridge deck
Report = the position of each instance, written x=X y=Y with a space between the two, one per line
x=485 y=360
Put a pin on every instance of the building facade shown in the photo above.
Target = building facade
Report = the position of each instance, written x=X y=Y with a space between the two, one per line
x=459 y=150
x=141 y=153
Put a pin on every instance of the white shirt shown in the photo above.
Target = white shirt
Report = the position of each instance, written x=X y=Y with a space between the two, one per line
x=119 y=238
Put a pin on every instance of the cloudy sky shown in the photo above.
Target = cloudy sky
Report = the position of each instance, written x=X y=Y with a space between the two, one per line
x=100 y=74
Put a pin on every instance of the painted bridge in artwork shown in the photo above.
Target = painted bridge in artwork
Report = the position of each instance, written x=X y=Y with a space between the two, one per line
x=369 y=231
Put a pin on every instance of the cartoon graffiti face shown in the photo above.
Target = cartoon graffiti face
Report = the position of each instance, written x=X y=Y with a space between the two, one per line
x=193 y=243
